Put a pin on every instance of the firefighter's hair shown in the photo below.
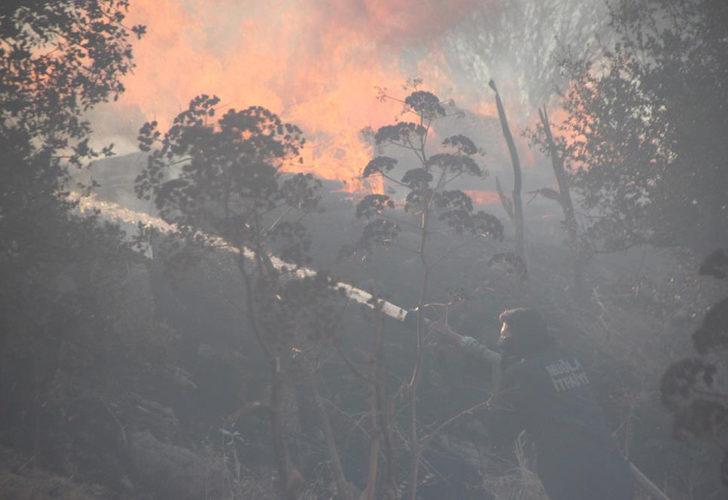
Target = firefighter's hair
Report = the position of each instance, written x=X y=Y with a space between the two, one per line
x=523 y=320
x=528 y=330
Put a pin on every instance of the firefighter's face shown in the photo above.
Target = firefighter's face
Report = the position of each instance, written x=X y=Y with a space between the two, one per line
x=505 y=342
x=505 y=331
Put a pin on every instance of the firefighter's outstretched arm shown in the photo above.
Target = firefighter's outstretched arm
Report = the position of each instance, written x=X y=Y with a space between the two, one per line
x=464 y=342
x=478 y=348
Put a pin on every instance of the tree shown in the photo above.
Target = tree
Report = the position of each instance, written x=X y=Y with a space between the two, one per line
x=221 y=179
x=57 y=60
x=643 y=138
x=644 y=128
x=543 y=136
x=430 y=203
x=515 y=210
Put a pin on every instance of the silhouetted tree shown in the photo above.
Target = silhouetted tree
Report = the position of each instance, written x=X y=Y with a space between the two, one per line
x=644 y=131
x=57 y=60
x=220 y=179
x=644 y=141
x=543 y=136
x=430 y=203
x=58 y=270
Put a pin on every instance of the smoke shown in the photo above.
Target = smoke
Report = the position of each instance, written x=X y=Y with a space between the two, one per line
x=315 y=63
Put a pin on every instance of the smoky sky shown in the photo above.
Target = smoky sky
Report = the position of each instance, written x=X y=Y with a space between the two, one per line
x=316 y=63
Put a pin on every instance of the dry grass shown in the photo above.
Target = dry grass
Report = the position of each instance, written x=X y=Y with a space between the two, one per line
x=520 y=482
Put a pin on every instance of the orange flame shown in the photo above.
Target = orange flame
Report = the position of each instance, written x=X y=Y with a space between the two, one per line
x=481 y=198
x=315 y=63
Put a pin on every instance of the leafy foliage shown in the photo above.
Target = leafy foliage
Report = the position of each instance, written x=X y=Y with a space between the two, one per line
x=682 y=377
x=402 y=133
x=417 y=178
x=378 y=232
x=426 y=182
x=454 y=163
x=57 y=60
x=228 y=173
x=373 y=205
x=461 y=144
x=713 y=333
x=455 y=207
x=690 y=388
x=380 y=164
x=427 y=201
x=305 y=316
x=425 y=104
x=644 y=139
x=222 y=178
x=63 y=296
x=644 y=128
x=484 y=224
x=510 y=262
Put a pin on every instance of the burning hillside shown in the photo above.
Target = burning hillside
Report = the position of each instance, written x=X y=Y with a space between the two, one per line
x=316 y=64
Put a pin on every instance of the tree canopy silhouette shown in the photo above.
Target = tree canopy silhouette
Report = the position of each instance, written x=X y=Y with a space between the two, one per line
x=644 y=131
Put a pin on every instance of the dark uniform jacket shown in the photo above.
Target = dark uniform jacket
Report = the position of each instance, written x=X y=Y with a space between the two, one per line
x=549 y=396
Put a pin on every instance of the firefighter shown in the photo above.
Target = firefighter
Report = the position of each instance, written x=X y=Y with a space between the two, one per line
x=547 y=393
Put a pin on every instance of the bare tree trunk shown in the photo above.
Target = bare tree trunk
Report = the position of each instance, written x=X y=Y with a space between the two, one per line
x=275 y=404
x=380 y=410
x=517 y=177
x=371 y=487
x=374 y=413
x=342 y=485
x=566 y=203
x=36 y=412
x=379 y=413
x=283 y=457
x=506 y=202
x=416 y=372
